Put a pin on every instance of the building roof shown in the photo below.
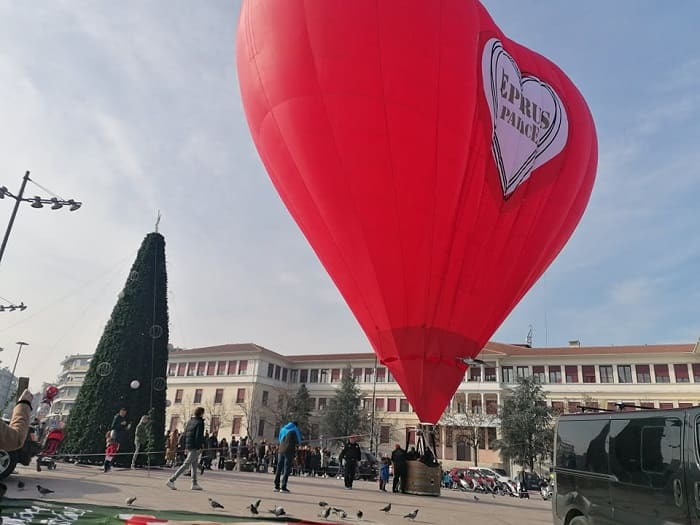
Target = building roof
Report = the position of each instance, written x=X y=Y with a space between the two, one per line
x=491 y=350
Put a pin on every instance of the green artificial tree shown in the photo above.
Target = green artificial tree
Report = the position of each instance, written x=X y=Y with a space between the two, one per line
x=129 y=366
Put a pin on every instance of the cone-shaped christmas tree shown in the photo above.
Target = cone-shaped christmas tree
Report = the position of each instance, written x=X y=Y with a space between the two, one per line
x=129 y=366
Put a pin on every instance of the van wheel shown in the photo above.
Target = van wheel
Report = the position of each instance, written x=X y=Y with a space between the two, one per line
x=578 y=520
x=8 y=462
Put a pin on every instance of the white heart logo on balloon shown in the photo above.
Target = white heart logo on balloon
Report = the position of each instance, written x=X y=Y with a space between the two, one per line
x=520 y=106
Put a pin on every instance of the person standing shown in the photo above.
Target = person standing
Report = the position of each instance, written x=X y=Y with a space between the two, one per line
x=119 y=426
x=194 y=441
x=110 y=453
x=289 y=437
x=140 y=439
x=352 y=454
x=398 y=458
x=384 y=474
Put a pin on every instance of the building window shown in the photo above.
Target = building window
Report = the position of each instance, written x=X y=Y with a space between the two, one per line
x=221 y=368
x=612 y=406
x=449 y=437
x=490 y=373
x=588 y=372
x=507 y=374
x=211 y=368
x=278 y=372
x=666 y=405
x=571 y=373
x=381 y=375
x=293 y=375
x=265 y=398
x=476 y=406
x=491 y=407
x=240 y=395
x=646 y=404
x=558 y=407
x=379 y=404
x=369 y=375
x=661 y=373
x=261 y=428
x=681 y=371
x=539 y=375
x=403 y=405
x=685 y=405
x=491 y=436
x=312 y=403
x=696 y=372
x=335 y=375
x=201 y=368
x=214 y=425
x=323 y=375
x=624 y=373
x=304 y=376
x=236 y=427
x=178 y=395
x=357 y=374
x=391 y=404
x=643 y=374
x=573 y=407
x=390 y=377
x=314 y=375
x=555 y=374
x=474 y=373
x=172 y=369
x=270 y=370
x=181 y=369
x=197 y=395
x=384 y=434
x=242 y=367
x=606 y=374
x=174 y=423
x=522 y=372
x=232 y=365
x=321 y=403
x=219 y=396
x=191 y=368
x=285 y=371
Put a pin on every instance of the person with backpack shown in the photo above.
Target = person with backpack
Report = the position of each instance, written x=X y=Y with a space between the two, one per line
x=289 y=438
x=194 y=442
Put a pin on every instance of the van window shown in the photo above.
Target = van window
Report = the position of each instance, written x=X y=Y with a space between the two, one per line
x=582 y=445
x=645 y=452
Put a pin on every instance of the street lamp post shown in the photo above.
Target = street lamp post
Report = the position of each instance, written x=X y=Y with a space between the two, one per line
x=37 y=202
x=9 y=384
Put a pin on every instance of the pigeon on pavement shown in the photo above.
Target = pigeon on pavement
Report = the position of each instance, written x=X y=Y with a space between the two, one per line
x=359 y=514
x=412 y=515
x=20 y=484
x=253 y=509
x=130 y=501
x=278 y=511
x=257 y=504
x=322 y=504
x=43 y=490
x=215 y=504
x=386 y=509
x=476 y=498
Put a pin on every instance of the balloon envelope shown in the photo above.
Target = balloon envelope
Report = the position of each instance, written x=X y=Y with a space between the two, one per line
x=435 y=166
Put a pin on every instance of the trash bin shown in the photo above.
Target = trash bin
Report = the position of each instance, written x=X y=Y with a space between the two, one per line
x=423 y=480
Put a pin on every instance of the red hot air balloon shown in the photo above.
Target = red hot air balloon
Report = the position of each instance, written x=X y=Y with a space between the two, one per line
x=435 y=166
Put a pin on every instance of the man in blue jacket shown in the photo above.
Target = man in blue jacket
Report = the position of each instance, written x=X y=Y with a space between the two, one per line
x=289 y=438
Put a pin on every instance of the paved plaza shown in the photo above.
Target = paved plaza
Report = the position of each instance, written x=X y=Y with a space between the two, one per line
x=236 y=490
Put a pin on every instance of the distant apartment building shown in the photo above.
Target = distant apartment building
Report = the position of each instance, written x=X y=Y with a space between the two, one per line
x=70 y=379
x=8 y=386
x=240 y=386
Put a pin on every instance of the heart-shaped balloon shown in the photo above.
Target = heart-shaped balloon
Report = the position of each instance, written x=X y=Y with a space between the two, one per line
x=435 y=166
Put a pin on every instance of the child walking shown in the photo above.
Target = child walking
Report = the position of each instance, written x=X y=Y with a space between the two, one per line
x=110 y=453
x=384 y=474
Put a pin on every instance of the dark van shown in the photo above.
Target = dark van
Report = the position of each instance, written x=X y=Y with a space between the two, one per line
x=628 y=468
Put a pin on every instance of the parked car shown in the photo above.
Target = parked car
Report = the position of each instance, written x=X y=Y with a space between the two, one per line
x=367 y=469
x=627 y=467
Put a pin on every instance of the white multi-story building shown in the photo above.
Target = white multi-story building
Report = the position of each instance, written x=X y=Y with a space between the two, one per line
x=8 y=386
x=71 y=378
x=240 y=386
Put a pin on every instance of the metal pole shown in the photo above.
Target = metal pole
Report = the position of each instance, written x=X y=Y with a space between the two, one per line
x=374 y=394
x=18 y=199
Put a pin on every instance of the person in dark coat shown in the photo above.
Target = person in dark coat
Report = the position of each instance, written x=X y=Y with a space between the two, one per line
x=119 y=427
x=194 y=442
x=352 y=454
x=398 y=459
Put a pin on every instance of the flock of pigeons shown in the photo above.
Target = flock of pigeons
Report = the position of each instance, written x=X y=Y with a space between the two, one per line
x=253 y=508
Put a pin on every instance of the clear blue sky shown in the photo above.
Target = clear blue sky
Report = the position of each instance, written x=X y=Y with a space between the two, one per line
x=133 y=107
